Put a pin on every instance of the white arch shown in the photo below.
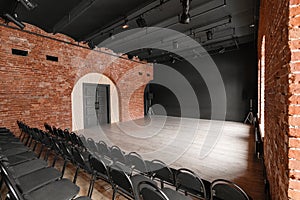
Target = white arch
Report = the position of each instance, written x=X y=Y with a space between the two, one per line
x=77 y=99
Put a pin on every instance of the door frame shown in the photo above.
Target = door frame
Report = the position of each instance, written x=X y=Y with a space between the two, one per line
x=107 y=86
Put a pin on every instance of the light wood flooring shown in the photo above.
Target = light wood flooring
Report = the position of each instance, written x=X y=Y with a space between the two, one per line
x=212 y=149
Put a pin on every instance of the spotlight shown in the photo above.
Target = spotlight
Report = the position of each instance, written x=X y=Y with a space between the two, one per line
x=149 y=52
x=125 y=26
x=111 y=35
x=29 y=5
x=14 y=20
x=91 y=44
x=184 y=17
x=209 y=35
x=141 y=22
x=130 y=57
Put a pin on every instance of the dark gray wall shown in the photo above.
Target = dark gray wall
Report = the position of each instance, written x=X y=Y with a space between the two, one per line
x=239 y=73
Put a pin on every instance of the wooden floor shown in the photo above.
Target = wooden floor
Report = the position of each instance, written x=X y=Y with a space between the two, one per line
x=212 y=149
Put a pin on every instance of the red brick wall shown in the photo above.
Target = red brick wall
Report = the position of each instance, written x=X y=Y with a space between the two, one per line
x=279 y=23
x=36 y=90
x=294 y=101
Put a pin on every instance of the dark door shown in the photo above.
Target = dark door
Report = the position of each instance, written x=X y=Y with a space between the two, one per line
x=95 y=104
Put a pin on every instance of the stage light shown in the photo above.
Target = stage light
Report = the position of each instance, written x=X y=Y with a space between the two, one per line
x=125 y=26
x=141 y=22
x=209 y=35
x=184 y=17
x=29 y=5
x=14 y=20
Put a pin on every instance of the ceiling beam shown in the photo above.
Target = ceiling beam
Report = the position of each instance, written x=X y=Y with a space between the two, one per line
x=72 y=15
x=130 y=16
x=195 y=12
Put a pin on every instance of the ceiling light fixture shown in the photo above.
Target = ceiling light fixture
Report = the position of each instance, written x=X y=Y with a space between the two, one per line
x=184 y=17
x=209 y=35
x=14 y=20
x=125 y=26
x=141 y=22
x=29 y=5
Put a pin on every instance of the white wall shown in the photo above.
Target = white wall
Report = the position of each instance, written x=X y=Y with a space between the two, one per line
x=77 y=99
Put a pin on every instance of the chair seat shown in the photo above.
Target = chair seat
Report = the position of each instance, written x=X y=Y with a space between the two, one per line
x=14 y=151
x=39 y=178
x=59 y=190
x=11 y=145
x=174 y=195
x=28 y=167
x=20 y=158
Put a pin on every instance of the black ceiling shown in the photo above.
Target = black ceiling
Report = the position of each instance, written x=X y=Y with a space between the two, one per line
x=233 y=22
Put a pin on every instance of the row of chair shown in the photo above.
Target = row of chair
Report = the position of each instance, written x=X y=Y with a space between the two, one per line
x=112 y=171
x=129 y=173
x=30 y=178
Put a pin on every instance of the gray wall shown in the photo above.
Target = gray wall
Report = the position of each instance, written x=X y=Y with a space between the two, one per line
x=239 y=73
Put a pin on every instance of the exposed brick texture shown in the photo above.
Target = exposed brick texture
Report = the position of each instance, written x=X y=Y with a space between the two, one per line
x=36 y=90
x=279 y=24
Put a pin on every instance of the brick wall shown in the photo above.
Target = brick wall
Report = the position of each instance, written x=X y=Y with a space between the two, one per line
x=279 y=24
x=36 y=90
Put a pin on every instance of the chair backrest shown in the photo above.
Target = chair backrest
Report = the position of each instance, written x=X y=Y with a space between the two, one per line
x=67 y=135
x=66 y=150
x=189 y=182
x=103 y=148
x=121 y=180
x=98 y=166
x=61 y=133
x=14 y=193
x=162 y=172
x=136 y=162
x=149 y=191
x=78 y=158
x=116 y=154
x=92 y=147
x=227 y=190
x=48 y=127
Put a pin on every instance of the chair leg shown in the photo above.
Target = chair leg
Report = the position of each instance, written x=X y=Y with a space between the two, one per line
x=27 y=141
x=75 y=176
x=91 y=185
x=54 y=160
x=47 y=155
x=114 y=194
x=41 y=151
x=34 y=147
x=64 y=168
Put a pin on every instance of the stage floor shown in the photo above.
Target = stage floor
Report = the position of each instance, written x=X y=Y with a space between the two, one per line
x=212 y=149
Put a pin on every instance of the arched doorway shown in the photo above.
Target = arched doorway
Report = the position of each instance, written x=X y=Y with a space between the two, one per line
x=85 y=99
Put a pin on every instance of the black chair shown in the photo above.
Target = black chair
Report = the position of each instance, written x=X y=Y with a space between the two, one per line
x=136 y=162
x=189 y=183
x=116 y=154
x=124 y=184
x=100 y=171
x=91 y=146
x=103 y=149
x=82 y=164
x=160 y=171
x=66 y=153
x=58 y=190
x=149 y=191
x=34 y=180
x=226 y=190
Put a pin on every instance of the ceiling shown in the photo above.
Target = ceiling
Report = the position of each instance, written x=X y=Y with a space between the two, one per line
x=231 y=22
